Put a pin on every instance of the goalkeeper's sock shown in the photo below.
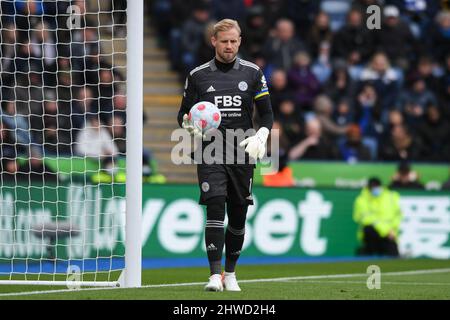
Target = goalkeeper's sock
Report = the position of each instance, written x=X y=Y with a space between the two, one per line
x=234 y=236
x=214 y=235
x=234 y=239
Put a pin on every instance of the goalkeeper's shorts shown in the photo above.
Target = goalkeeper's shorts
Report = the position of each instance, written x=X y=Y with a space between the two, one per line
x=232 y=181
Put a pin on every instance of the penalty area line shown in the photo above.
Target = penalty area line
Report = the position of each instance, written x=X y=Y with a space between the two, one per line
x=280 y=279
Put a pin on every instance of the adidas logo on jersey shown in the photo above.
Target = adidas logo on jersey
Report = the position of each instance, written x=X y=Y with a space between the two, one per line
x=211 y=247
x=211 y=89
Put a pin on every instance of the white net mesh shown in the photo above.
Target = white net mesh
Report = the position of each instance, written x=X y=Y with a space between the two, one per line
x=62 y=125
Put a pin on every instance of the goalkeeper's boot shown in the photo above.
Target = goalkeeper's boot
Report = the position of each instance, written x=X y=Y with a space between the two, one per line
x=230 y=282
x=215 y=283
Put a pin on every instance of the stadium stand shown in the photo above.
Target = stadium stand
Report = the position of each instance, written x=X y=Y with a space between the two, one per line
x=323 y=63
x=55 y=80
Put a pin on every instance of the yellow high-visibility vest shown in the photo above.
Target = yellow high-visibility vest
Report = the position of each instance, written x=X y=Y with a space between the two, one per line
x=383 y=212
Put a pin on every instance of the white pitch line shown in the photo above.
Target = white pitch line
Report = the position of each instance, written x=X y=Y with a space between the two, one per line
x=383 y=282
x=281 y=279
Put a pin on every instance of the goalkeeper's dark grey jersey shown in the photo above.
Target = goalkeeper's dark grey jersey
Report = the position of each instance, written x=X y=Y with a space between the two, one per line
x=233 y=92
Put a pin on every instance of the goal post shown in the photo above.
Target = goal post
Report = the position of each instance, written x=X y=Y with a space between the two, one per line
x=135 y=45
x=71 y=93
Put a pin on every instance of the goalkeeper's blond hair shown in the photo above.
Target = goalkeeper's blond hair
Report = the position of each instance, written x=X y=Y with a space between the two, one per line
x=225 y=25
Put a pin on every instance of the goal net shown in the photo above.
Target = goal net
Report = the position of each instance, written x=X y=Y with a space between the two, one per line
x=63 y=126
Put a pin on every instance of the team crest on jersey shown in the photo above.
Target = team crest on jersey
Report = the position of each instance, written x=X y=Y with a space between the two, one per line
x=205 y=186
x=243 y=86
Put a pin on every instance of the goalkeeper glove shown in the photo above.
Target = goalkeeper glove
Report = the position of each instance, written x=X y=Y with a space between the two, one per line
x=190 y=127
x=256 y=145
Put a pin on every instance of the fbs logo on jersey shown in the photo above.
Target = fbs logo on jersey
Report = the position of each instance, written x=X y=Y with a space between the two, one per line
x=228 y=101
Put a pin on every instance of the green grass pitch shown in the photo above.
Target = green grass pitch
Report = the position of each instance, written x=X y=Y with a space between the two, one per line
x=338 y=280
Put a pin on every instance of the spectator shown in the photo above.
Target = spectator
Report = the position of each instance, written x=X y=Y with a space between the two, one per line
x=303 y=82
x=319 y=34
x=324 y=109
x=231 y=9
x=116 y=127
x=378 y=215
x=343 y=114
x=405 y=178
x=279 y=90
x=414 y=100
x=273 y=10
x=81 y=55
x=353 y=42
x=401 y=145
x=7 y=143
x=206 y=50
x=428 y=70
x=315 y=146
x=166 y=16
x=416 y=14
x=28 y=13
x=352 y=149
x=368 y=116
x=9 y=168
x=395 y=119
x=120 y=106
x=396 y=40
x=440 y=37
x=7 y=11
x=255 y=32
x=88 y=19
x=106 y=91
x=192 y=36
x=7 y=49
x=434 y=131
x=383 y=78
x=43 y=47
x=337 y=11
x=281 y=48
x=302 y=22
x=322 y=67
x=26 y=69
x=340 y=83
x=28 y=100
x=91 y=72
x=84 y=104
x=94 y=141
x=18 y=127
x=119 y=17
x=53 y=129
x=291 y=122
x=444 y=90
x=65 y=92
x=170 y=27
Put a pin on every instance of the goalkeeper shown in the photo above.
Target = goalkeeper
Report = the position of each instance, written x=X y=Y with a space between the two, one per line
x=234 y=86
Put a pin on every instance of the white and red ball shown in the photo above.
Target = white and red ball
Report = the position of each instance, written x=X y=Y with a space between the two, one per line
x=205 y=116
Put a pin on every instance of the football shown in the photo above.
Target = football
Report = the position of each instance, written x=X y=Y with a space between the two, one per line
x=205 y=116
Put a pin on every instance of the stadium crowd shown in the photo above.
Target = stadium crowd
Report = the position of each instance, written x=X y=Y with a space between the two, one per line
x=340 y=90
x=60 y=95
